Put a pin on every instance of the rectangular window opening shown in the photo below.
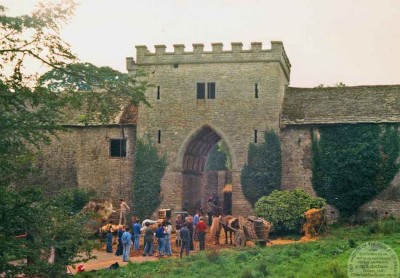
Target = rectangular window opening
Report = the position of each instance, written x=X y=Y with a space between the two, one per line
x=158 y=92
x=211 y=90
x=159 y=137
x=201 y=90
x=255 y=136
x=256 y=90
x=118 y=147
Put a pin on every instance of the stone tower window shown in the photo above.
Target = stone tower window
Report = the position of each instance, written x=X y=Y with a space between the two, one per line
x=256 y=90
x=159 y=137
x=255 y=135
x=158 y=92
x=211 y=90
x=118 y=147
x=201 y=90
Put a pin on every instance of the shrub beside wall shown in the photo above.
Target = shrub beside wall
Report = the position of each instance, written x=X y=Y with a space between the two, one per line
x=285 y=209
x=149 y=169
x=262 y=172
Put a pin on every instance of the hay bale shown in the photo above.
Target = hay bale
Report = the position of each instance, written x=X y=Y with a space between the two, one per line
x=315 y=220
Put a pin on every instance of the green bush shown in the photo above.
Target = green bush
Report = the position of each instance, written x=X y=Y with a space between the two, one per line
x=285 y=209
x=262 y=172
x=149 y=169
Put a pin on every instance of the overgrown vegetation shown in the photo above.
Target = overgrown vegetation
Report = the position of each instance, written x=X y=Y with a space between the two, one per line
x=327 y=257
x=262 y=172
x=285 y=209
x=219 y=158
x=149 y=169
x=44 y=223
x=354 y=163
x=31 y=111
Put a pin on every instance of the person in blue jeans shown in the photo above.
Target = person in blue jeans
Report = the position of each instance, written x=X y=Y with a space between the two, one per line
x=160 y=240
x=148 y=240
x=126 y=242
x=109 y=240
x=167 y=237
x=185 y=237
x=136 y=235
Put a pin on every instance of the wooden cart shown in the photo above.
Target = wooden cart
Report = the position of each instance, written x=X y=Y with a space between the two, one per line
x=252 y=229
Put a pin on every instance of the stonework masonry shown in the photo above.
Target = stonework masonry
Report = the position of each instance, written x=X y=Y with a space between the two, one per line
x=246 y=92
x=234 y=115
x=81 y=157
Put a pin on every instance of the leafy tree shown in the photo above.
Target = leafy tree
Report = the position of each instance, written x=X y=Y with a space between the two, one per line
x=285 y=209
x=262 y=172
x=31 y=110
x=353 y=163
x=149 y=169
x=219 y=158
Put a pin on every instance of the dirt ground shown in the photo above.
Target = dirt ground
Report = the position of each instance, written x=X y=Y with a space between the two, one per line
x=104 y=259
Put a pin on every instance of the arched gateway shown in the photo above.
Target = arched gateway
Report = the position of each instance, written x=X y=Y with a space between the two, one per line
x=201 y=97
x=198 y=184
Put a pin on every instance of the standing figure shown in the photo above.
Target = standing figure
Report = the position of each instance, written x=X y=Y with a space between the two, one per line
x=126 y=242
x=120 y=247
x=178 y=226
x=109 y=240
x=167 y=238
x=185 y=237
x=136 y=235
x=189 y=225
x=122 y=214
x=148 y=240
x=160 y=240
x=196 y=218
x=201 y=228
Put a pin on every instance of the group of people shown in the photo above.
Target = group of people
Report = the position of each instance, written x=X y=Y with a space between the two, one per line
x=124 y=242
x=188 y=229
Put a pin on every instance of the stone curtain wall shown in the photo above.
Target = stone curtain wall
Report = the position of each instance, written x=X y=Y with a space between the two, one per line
x=296 y=159
x=358 y=104
x=81 y=158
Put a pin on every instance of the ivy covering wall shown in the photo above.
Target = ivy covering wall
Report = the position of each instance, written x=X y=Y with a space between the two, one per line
x=353 y=163
x=262 y=172
x=149 y=169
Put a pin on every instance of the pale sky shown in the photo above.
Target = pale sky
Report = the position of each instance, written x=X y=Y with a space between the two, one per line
x=356 y=42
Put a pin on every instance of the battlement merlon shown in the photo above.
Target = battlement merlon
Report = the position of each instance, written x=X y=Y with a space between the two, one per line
x=217 y=55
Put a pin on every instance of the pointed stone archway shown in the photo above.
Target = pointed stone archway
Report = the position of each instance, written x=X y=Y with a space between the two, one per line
x=197 y=183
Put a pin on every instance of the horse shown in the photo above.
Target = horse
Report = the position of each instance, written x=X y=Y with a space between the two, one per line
x=230 y=224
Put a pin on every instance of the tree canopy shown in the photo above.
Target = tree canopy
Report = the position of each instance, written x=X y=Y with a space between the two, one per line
x=32 y=108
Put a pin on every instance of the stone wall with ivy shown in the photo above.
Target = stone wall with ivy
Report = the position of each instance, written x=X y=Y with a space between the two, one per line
x=149 y=169
x=297 y=172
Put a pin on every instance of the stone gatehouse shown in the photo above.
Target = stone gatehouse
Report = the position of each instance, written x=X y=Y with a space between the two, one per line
x=202 y=97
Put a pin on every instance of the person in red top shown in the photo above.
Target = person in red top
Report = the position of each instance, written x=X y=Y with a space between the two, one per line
x=201 y=228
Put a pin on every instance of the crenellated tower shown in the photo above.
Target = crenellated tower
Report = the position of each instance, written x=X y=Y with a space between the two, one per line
x=201 y=97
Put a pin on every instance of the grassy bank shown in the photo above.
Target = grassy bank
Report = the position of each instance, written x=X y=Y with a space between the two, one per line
x=327 y=257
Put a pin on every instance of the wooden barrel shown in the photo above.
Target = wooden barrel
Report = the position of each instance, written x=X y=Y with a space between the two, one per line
x=259 y=228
